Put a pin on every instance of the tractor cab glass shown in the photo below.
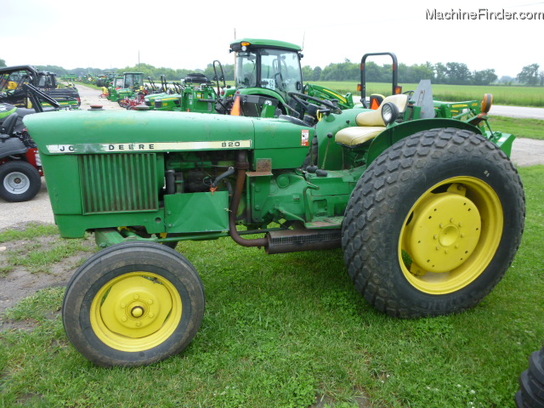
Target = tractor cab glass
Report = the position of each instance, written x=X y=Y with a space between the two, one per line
x=275 y=69
x=118 y=83
x=47 y=80
x=133 y=79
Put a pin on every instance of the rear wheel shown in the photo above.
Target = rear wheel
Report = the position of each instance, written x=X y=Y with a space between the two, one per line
x=133 y=304
x=531 y=393
x=19 y=181
x=433 y=224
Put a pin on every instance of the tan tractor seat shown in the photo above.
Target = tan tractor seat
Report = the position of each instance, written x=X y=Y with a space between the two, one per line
x=369 y=123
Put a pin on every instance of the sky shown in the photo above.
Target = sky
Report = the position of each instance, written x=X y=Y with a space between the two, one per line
x=504 y=35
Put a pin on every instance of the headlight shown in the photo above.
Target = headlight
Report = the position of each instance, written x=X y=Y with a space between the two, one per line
x=487 y=103
x=390 y=113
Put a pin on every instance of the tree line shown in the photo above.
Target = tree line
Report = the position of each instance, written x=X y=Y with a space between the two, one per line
x=454 y=73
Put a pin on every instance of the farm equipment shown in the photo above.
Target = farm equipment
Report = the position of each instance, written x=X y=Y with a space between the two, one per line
x=196 y=93
x=125 y=86
x=267 y=72
x=20 y=164
x=429 y=212
x=13 y=90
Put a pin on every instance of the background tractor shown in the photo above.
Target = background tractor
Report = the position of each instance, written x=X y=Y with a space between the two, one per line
x=20 y=164
x=267 y=72
x=195 y=93
x=127 y=85
x=13 y=89
x=426 y=206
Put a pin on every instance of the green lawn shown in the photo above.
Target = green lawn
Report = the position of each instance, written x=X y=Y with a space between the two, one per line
x=289 y=330
x=528 y=128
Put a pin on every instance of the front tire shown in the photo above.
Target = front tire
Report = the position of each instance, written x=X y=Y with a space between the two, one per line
x=19 y=181
x=133 y=304
x=433 y=224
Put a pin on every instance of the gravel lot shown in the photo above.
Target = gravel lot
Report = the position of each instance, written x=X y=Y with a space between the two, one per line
x=526 y=152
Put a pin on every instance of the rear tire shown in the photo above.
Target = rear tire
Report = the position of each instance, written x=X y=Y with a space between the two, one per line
x=531 y=393
x=433 y=224
x=19 y=181
x=133 y=304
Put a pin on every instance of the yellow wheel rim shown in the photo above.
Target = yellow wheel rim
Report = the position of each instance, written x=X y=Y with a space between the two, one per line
x=136 y=311
x=450 y=235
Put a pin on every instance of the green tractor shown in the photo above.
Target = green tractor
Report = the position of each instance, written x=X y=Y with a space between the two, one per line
x=125 y=86
x=428 y=209
x=268 y=71
x=196 y=93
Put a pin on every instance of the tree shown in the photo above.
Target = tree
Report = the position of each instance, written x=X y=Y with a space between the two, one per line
x=484 y=77
x=415 y=73
x=228 y=71
x=529 y=75
x=311 y=74
x=440 y=73
x=308 y=73
x=374 y=73
x=2 y=63
x=346 y=71
x=458 y=73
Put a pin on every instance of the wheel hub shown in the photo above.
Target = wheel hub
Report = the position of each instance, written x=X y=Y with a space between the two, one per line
x=444 y=232
x=136 y=307
x=16 y=182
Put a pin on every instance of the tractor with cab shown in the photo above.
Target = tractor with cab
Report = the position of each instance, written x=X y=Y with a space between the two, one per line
x=269 y=72
x=126 y=85
x=420 y=196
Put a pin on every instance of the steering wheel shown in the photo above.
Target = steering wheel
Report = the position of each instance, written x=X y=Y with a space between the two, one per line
x=304 y=98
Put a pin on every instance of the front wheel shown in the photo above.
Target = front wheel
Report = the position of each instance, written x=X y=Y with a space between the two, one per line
x=133 y=304
x=433 y=224
x=19 y=181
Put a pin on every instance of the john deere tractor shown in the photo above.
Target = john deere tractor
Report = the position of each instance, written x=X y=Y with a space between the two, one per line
x=195 y=93
x=124 y=86
x=267 y=72
x=427 y=208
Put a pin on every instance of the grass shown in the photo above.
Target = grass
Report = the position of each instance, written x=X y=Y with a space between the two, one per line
x=527 y=128
x=289 y=330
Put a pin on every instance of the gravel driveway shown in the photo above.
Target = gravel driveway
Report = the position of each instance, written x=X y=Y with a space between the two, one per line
x=526 y=152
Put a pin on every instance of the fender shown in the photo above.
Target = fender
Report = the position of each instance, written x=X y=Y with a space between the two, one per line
x=269 y=93
x=393 y=134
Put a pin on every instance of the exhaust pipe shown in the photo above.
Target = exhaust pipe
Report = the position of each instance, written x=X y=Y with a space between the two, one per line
x=302 y=240
x=276 y=242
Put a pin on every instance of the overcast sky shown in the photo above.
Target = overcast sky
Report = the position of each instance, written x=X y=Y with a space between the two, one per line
x=505 y=35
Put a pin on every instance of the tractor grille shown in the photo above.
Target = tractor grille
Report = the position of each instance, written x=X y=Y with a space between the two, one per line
x=119 y=182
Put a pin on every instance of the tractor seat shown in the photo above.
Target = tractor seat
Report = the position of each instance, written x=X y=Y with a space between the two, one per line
x=8 y=126
x=369 y=123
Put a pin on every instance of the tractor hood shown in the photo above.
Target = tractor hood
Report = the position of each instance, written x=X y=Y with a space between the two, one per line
x=128 y=131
